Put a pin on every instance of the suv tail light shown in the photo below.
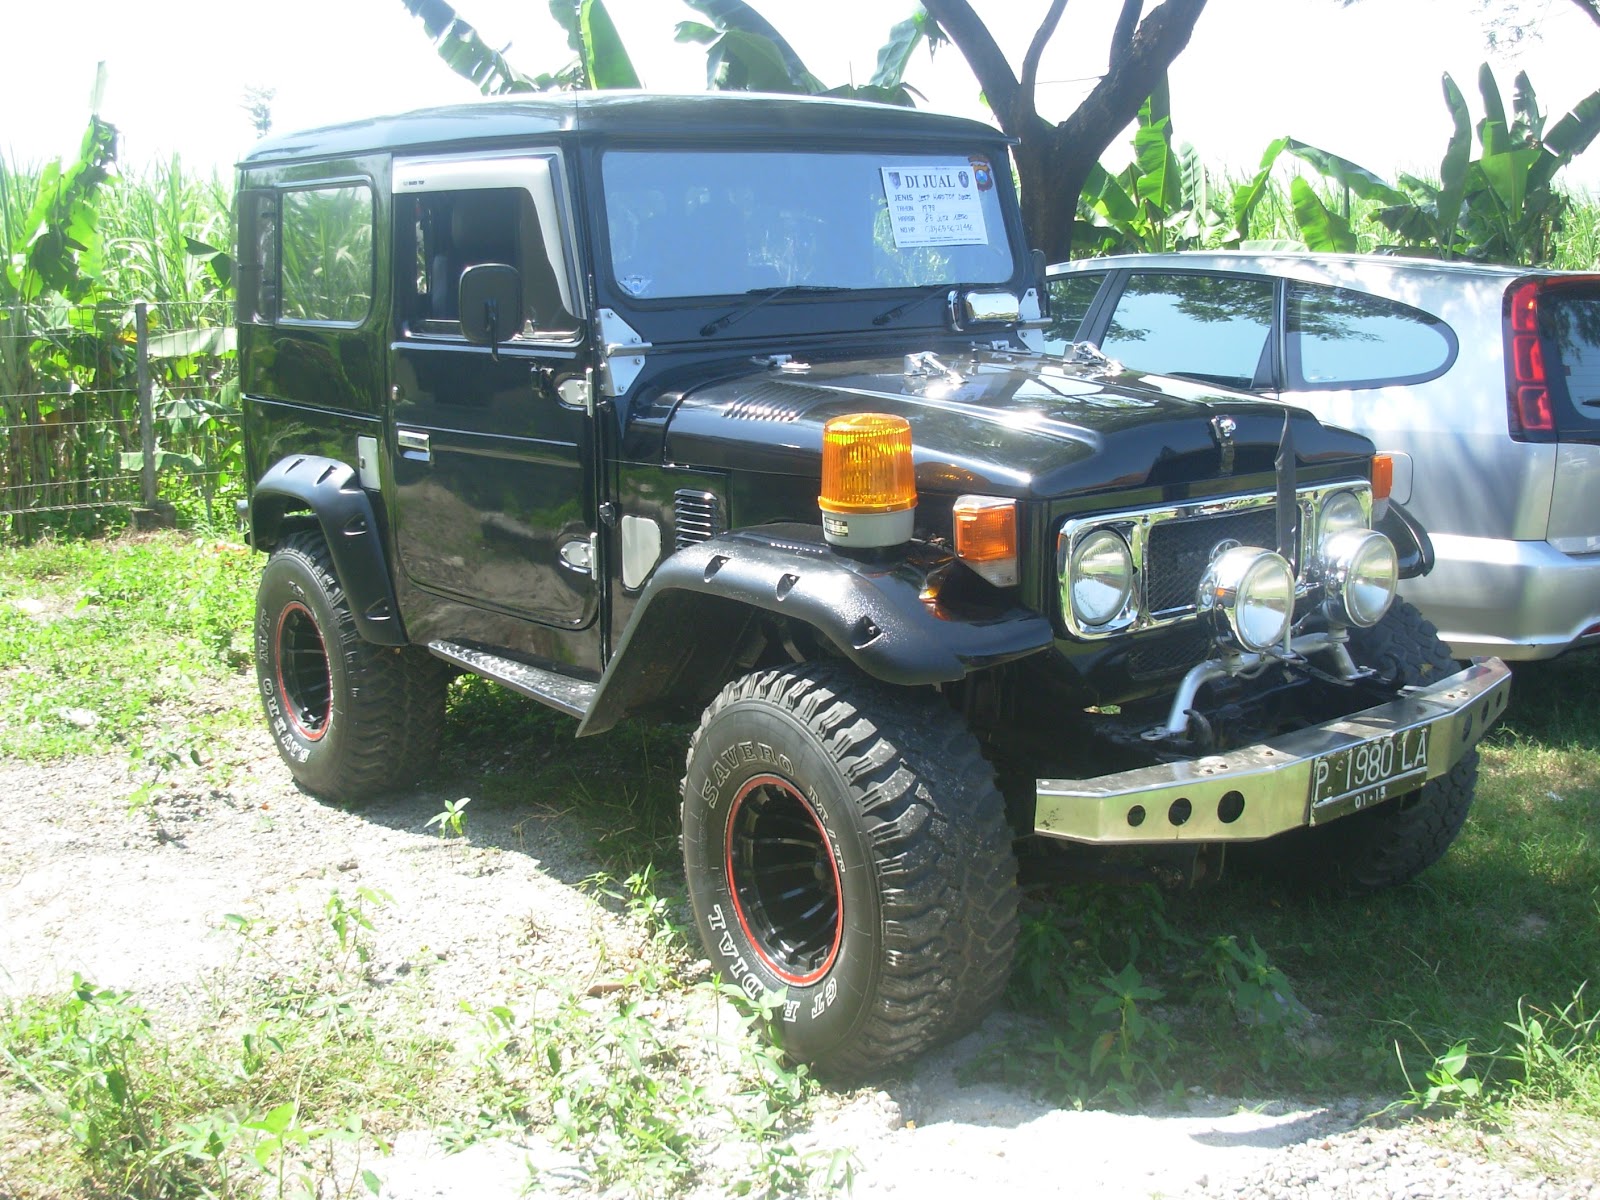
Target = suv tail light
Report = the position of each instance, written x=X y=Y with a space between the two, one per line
x=1529 y=414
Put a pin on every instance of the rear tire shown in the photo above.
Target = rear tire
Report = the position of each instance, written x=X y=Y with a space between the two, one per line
x=350 y=719
x=845 y=846
x=1395 y=842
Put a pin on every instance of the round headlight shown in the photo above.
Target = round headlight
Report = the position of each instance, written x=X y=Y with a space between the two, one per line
x=1102 y=577
x=1253 y=590
x=1360 y=572
x=1341 y=511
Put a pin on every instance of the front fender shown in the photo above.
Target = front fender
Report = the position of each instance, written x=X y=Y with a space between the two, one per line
x=332 y=492
x=698 y=605
x=1412 y=545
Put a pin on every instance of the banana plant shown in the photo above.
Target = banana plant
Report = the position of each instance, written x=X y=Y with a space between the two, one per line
x=600 y=59
x=1163 y=199
x=1501 y=206
x=745 y=52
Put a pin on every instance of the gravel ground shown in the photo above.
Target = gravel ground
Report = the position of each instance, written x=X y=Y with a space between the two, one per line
x=137 y=900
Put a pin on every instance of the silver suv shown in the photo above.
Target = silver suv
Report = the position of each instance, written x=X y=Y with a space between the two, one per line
x=1482 y=382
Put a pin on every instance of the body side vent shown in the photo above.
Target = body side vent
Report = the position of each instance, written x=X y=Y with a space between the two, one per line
x=697 y=517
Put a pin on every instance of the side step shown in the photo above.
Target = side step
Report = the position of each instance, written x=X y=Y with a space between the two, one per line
x=571 y=696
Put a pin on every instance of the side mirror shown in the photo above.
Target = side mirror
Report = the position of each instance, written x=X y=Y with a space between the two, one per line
x=490 y=304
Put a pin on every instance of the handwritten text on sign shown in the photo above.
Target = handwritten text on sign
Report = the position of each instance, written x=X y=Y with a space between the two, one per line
x=934 y=205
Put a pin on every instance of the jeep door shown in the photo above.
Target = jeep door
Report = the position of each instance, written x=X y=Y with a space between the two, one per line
x=495 y=482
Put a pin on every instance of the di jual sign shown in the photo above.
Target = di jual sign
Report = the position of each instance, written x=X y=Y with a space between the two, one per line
x=936 y=205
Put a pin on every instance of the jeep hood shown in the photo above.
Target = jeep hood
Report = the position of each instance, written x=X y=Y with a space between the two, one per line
x=1021 y=425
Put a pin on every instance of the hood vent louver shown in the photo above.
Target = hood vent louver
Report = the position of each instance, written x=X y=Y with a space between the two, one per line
x=770 y=402
x=697 y=517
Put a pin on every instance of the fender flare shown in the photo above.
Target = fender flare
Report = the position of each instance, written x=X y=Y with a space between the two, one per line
x=1413 y=547
x=690 y=621
x=331 y=491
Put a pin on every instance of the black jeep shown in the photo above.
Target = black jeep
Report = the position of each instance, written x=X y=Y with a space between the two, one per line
x=729 y=404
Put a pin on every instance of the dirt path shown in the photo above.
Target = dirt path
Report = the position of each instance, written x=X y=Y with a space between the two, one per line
x=140 y=899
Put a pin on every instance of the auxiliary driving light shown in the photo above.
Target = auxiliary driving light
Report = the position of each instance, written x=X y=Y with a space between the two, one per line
x=1253 y=591
x=1359 y=574
x=869 y=487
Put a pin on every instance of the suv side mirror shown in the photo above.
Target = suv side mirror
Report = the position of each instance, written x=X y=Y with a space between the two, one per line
x=490 y=304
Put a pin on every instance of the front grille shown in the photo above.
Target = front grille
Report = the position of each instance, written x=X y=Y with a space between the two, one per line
x=1178 y=552
x=1171 y=653
x=697 y=517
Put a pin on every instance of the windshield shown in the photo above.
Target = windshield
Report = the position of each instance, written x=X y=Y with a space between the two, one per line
x=718 y=223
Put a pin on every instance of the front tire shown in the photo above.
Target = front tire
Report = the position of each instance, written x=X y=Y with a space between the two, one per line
x=1396 y=841
x=845 y=846
x=350 y=719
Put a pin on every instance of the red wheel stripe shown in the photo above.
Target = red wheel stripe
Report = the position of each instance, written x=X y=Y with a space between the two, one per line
x=733 y=891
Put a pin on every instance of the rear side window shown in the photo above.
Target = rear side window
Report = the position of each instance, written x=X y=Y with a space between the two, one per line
x=1569 y=324
x=326 y=264
x=1213 y=328
x=1337 y=338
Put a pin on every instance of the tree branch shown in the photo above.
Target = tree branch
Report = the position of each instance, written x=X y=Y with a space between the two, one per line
x=1030 y=61
x=1115 y=100
x=984 y=56
x=1122 y=35
x=1591 y=7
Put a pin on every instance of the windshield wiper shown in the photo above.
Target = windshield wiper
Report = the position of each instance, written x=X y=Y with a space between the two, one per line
x=905 y=306
x=762 y=296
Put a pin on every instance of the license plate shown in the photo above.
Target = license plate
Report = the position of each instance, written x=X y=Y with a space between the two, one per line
x=1370 y=772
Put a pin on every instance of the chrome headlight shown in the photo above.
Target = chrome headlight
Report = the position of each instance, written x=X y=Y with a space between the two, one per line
x=1359 y=573
x=1340 y=512
x=1253 y=591
x=1100 y=577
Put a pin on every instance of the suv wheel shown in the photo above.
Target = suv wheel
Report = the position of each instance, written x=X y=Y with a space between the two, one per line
x=1394 y=842
x=351 y=719
x=846 y=848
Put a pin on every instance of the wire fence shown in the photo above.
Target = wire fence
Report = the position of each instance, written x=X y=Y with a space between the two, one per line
x=113 y=412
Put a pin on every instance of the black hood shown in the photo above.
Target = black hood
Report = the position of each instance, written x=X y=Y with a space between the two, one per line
x=1029 y=426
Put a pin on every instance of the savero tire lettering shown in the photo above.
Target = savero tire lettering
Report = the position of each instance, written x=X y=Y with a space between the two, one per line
x=735 y=756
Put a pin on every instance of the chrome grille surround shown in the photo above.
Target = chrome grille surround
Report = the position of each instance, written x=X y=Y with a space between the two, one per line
x=1166 y=570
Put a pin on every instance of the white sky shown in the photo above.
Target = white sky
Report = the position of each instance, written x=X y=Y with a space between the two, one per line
x=1363 y=82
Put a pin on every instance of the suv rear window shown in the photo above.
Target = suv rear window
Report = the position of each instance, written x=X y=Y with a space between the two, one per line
x=1569 y=323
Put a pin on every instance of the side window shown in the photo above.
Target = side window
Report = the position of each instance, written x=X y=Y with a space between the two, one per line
x=1070 y=298
x=326 y=265
x=1213 y=328
x=1338 y=338
x=449 y=231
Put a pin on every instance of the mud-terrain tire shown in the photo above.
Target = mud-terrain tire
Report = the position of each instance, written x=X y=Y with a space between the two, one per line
x=845 y=846
x=1398 y=840
x=352 y=720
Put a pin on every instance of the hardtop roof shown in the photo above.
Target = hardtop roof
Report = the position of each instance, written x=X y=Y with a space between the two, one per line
x=614 y=113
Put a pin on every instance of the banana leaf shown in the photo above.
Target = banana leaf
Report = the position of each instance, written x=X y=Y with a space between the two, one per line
x=605 y=59
x=1323 y=228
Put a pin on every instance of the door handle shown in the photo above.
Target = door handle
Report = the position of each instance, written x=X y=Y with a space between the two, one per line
x=413 y=445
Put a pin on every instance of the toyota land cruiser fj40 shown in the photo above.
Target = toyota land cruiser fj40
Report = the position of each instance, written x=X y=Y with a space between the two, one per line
x=731 y=405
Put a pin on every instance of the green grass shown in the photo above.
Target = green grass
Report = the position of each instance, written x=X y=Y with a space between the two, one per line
x=1470 y=986
x=110 y=644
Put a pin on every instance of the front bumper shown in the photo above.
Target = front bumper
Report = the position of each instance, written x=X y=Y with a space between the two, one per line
x=1274 y=786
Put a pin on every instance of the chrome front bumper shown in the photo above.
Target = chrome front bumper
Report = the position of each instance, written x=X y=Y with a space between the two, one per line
x=1274 y=786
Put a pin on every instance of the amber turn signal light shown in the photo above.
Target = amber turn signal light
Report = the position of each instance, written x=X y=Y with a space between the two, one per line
x=1382 y=476
x=986 y=536
x=869 y=486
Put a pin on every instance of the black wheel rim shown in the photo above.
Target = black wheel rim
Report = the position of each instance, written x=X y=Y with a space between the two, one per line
x=303 y=678
x=784 y=880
